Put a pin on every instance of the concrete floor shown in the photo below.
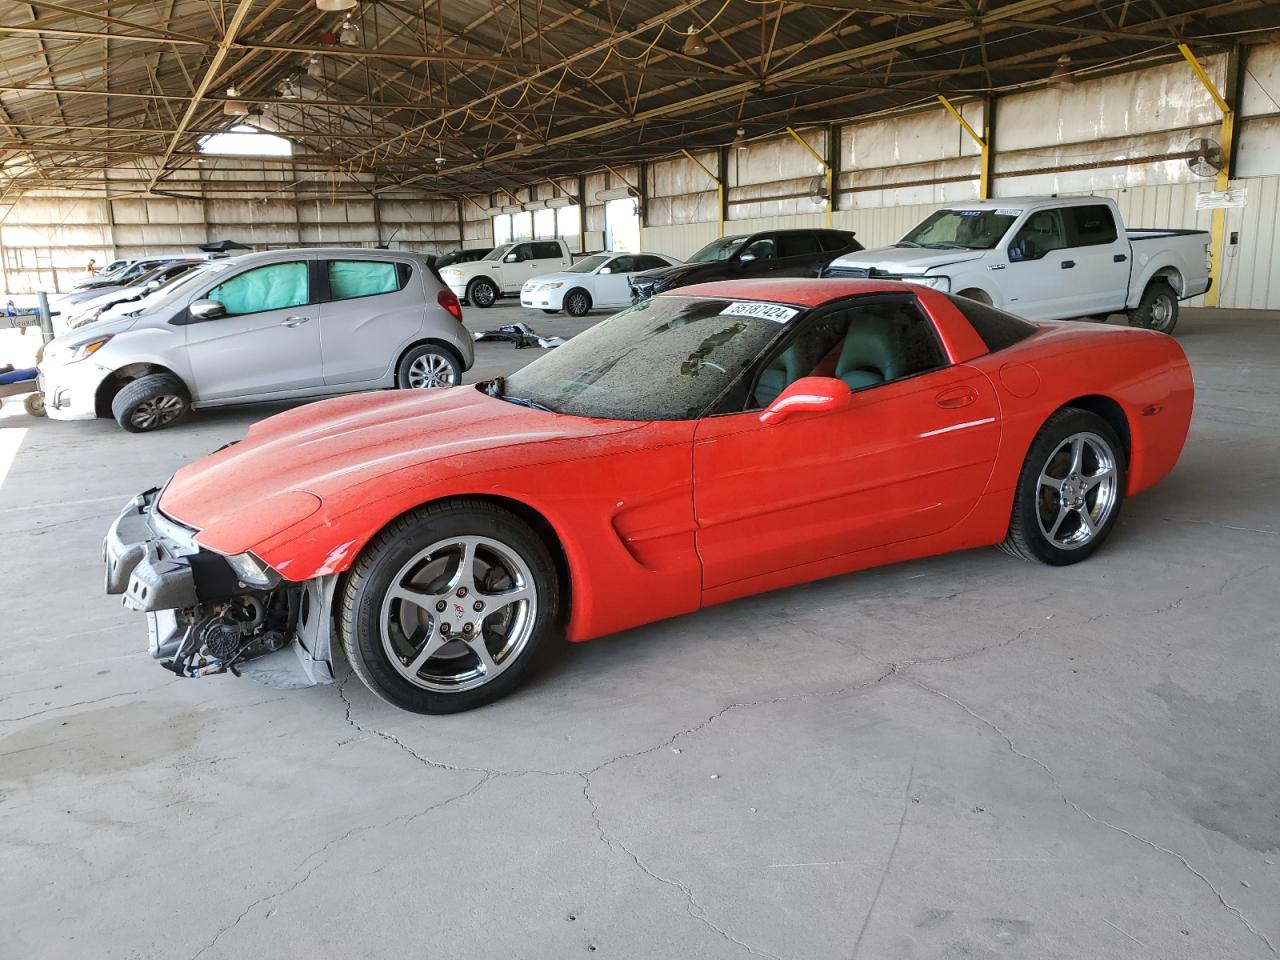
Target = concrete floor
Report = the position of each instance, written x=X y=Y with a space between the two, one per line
x=961 y=757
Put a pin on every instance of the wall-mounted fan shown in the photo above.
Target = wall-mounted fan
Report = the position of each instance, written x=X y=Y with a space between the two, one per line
x=1205 y=158
x=818 y=191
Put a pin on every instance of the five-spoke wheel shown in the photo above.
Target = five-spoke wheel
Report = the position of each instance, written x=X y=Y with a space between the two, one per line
x=1070 y=489
x=446 y=608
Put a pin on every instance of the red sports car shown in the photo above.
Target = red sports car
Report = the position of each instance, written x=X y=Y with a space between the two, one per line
x=714 y=442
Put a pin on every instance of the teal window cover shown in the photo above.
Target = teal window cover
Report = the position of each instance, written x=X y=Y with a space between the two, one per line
x=272 y=287
x=361 y=278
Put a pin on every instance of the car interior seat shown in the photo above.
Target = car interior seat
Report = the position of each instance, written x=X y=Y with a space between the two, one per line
x=868 y=356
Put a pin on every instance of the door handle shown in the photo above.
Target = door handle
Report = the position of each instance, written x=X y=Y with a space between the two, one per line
x=1068 y=264
x=997 y=266
x=1119 y=258
x=956 y=397
x=294 y=321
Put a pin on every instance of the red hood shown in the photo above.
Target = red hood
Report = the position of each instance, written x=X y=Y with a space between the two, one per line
x=289 y=465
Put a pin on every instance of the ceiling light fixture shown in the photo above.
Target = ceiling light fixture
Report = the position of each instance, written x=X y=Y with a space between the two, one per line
x=234 y=107
x=315 y=68
x=740 y=139
x=335 y=6
x=1061 y=78
x=349 y=34
x=694 y=45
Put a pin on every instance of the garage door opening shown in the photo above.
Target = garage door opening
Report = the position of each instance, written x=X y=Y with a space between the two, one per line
x=622 y=225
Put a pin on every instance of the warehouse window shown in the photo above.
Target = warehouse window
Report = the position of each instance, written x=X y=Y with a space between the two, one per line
x=501 y=229
x=567 y=222
x=522 y=225
x=246 y=141
x=544 y=224
x=365 y=278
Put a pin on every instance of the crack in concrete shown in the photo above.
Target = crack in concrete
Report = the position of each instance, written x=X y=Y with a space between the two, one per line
x=888 y=864
x=692 y=906
x=328 y=845
x=1089 y=815
x=1223 y=526
x=78 y=703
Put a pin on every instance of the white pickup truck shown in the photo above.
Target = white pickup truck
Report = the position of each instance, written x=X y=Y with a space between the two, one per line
x=504 y=270
x=1046 y=258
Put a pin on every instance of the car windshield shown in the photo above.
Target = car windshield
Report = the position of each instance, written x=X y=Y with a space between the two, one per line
x=961 y=229
x=497 y=253
x=588 y=264
x=172 y=291
x=721 y=249
x=667 y=358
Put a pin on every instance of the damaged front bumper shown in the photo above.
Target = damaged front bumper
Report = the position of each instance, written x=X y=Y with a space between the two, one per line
x=201 y=617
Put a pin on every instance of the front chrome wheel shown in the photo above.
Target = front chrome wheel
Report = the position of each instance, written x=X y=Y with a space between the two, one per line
x=431 y=370
x=458 y=613
x=1077 y=491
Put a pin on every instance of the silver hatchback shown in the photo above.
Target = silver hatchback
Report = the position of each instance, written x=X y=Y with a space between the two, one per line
x=278 y=325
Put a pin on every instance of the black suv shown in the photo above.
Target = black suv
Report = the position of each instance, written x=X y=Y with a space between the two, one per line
x=769 y=253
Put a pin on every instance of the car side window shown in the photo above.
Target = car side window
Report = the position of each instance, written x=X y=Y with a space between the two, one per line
x=762 y=249
x=1092 y=225
x=798 y=245
x=271 y=287
x=349 y=279
x=1043 y=231
x=545 y=251
x=649 y=263
x=833 y=241
x=865 y=345
x=621 y=265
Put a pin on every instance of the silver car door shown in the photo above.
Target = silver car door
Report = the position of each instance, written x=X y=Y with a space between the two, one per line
x=268 y=341
x=374 y=309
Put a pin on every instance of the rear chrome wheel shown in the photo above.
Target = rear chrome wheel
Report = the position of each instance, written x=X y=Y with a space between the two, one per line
x=447 y=608
x=577 y=303
x=1070 y=490
x=1077 y=491
x=428 y=366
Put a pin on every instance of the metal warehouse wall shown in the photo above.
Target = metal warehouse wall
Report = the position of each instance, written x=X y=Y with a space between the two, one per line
x=1110 y=136
x=46 y=239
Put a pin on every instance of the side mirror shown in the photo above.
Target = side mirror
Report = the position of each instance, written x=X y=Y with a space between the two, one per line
x=606 y=269
x=153 y=285
x=808 y=395
x=510 y=258
x=746 y=258
x=206 y=310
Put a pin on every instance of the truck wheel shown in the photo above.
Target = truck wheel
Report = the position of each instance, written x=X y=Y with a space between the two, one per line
x=979 y=295
x=482 y=293
x=150 y=402
x=447 y=608
x=1158 y=309
x=34 y=404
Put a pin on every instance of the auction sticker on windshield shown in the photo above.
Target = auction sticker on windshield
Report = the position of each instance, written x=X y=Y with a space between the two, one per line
x=765 y=311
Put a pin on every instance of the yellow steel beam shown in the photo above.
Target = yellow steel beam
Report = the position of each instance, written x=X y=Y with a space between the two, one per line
x=1227 y=132
x=826 y=170
x=984 y=175
x=719 y=189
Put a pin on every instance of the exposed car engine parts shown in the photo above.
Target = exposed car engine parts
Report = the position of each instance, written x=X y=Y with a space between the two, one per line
x=521 y=334
x=225 y=634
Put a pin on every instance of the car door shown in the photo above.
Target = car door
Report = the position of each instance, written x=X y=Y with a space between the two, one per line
x=1041 y=279
x=799 y=254
x=267 y=343
x=533 y=258
x=909 y=457
x=757 y=258
x=372 y=309
x=610 y=281
x=1101 y=252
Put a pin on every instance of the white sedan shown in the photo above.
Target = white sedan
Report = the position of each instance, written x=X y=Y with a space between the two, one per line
x=599 y=280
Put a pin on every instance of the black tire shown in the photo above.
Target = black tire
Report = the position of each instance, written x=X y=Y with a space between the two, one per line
x=1034 y=503
x=383 y=562
x=482 y=293
x=34 y=405
x=151 y=402
x=577 y=303
x=428 y=366
x=1158 y=309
